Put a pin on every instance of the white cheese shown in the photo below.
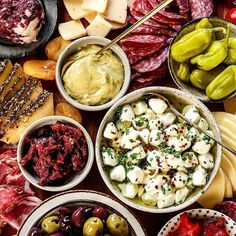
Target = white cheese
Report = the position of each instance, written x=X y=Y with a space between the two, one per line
x=121 y=125
x=199 y=177
x=192 y=133
x=157 y=105
x=191 y=113
x=203 y=124
x=116 y=11
x=154 y=124
x=110 y=131
x=180 y=179
x=206 y=160
x=139 y=107
x=130 y=139
x=165 y=200
x=75 y=10
x=209 y=140
x=135 y=175
x=95 y=5
x=129 y=190
x=141 y=122
x=90 y=17
x=149 y=173
x=127 y=113
x=144 y=135
x=172 y=130
x=137 y=153
x=140 y=190
x=179 y=143
x=189 y=159
x=155 y=184
x=174 y=162
x=71 y=30
x=181 y=195
x=99 y=27
x=109 y=157
x=201 y=147
x=156 y=137
x=167 y=119
x=116 y=26
x=117 y=173
x=149 y=199
x=151 y=113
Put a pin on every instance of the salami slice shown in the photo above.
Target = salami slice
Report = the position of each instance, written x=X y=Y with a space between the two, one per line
x=151 y=63
x=228 y=208
x=183 y=6
x=201 y=8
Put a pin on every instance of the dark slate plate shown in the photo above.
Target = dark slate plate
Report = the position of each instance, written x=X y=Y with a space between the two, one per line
x=8 y=50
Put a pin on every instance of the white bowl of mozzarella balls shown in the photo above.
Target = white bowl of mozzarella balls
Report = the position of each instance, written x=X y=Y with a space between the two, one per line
x=152 y=160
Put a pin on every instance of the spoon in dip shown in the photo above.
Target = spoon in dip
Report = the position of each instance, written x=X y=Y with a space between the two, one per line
x=137 y=24
x=178 y=114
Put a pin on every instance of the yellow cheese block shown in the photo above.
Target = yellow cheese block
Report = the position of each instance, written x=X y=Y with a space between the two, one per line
x=215 y=192
x=230 y=105
x=229 y=170
x=228 y=187
x=95 y=5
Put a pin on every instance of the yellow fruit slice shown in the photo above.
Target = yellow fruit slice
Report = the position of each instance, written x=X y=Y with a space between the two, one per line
x=215 y=192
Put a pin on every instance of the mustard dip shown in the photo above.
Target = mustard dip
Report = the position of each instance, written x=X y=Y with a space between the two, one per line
x=91 y=79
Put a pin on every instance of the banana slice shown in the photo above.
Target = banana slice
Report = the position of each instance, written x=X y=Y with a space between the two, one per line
x=215 y=192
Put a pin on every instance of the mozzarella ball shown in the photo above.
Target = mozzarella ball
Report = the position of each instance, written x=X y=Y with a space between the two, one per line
x=127 y=113
x=117 y=173
x=168 y=200
x=154 y=124
x=130 y=139
x=155 y=184
x=157 y=105
x=149 y=173
x=135 y=175
x=109 y=157
x=181 y=195
x=180 y=179
x=151 y=113
x=156 y=137
x=139 y=107
x=167 y=119
x=172 y=130
x=191 y=113
x=174 y=162
x=110 y=131
x=144 y=135
x=206 y=160
x=203 y=124
x=129 y=190
x=189 y=159
x=137 y=153
x=179 y=143
x=201 y=147
x=199 y=177
x=149 y=199
x=141 y=122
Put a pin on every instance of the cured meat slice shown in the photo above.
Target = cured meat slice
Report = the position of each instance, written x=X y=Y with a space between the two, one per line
x=151 y=63
x=142 y=45
x=144 y=29
x=183 y=6
x=201 y=8
x=228 y=208
x=15 y=205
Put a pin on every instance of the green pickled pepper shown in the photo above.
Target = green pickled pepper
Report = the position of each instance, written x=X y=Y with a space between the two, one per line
x=223 y=85
x=201 y=79
x=215 y=54
x=231 y=57
x=204 y=23
x=193 y=43
x=183 y=72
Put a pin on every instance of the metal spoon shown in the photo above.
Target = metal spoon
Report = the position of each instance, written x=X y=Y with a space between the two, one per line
x=178 y=114
x=134 y=26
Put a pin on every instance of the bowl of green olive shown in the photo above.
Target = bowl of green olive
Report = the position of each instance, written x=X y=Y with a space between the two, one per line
x=202 y=59
x=82 y=212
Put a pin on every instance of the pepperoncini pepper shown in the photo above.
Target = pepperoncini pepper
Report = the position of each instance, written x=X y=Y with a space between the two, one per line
x=201 y=79
x=231 y=57
x=183 y=72
x=204 y=23
x=215 y=54
x=193 y=43
x=223 y=85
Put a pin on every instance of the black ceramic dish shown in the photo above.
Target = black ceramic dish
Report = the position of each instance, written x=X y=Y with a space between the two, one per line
x=9 y=50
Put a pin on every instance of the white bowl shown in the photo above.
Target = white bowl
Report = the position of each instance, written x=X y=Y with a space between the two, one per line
x=74 y=179
x=73 y=48
x=173 y=224
x=174 y=96
x=80 y=198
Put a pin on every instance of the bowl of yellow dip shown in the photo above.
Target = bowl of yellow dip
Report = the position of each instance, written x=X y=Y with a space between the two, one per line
x=89 y=81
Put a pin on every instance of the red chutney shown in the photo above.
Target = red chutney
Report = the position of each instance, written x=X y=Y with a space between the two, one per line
x=55 y=152
x=214 y=226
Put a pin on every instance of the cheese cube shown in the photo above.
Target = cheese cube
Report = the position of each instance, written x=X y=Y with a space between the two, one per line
x=95 y=5
x=99 y=27
x=90 y=17
x=75 y=10
x=71 y=30
x=116 y=11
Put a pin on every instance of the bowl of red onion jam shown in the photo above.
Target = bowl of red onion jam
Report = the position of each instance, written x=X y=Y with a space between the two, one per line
x=55 y=153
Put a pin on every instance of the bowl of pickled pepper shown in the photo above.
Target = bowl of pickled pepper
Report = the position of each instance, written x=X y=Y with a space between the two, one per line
x=202 y=59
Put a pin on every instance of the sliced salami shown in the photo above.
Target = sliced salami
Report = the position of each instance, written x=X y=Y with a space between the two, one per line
x=151 y=63
x=183 y=6
x=201 y=8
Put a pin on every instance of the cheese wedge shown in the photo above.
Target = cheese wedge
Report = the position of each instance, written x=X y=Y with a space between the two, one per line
x=116 y=11
x=215 y=192
x=99 y=27
x=230 y=105
x=95 y=5
x=71 y=30
x=229 y=170
x=75 y=10
x=228 y=187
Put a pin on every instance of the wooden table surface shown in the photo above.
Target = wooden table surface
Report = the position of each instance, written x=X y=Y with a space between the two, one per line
x=152 y=223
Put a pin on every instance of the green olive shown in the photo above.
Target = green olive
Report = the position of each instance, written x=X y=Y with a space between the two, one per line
x=93 y=227
x=117 y=225
x=51 y=224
